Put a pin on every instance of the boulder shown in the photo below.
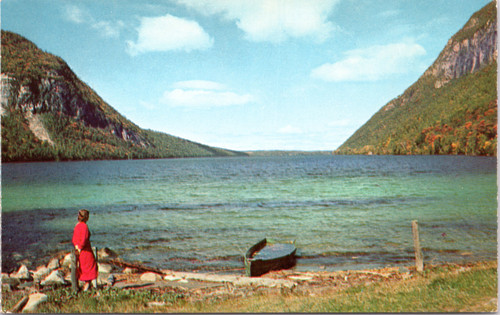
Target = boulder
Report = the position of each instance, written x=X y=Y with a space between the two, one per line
x=129 y=271
x=53 y=264
x=13 y=282
x=67 y=260
x=150 y=277
x=34 y=300
x=104 y=268
x=40 y=273
x=22 y=274
x=105 y=253
x=102 y=279
x=55 y=278
x=172 y=278
x=111 y=280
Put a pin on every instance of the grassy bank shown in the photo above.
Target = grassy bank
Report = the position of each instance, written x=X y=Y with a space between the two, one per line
x=448 y=288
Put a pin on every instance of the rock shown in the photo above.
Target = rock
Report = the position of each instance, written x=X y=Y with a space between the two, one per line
x=53 y=264
x=34 y=300
x=102 y=279
x=41 y=273
x=26 y=285
x=67 y=260
x=233 y=279
x=111 y=280
x=301 y=278
x=129 y=270
x=105 y=252
x=7 y=287
x=22 y=274
x=150 y=277
x=55 y=278
x=104 y=268
x=13 y=282
x=172 y=278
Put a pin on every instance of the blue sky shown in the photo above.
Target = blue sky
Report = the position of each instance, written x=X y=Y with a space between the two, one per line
x=244 y=75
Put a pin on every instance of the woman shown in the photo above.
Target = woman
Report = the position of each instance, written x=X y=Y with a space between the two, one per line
x=87 y=267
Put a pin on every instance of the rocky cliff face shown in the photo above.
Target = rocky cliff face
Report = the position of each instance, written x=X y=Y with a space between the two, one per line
x=49 y=114
x=57 y=89
x=469 y=50
x=451 y=109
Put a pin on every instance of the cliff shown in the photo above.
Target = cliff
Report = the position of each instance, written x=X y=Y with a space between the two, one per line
x=473 y=47
x=451 y=109
x=48 y=113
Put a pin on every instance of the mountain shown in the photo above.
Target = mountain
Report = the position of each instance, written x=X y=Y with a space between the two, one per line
x=48 y=114
x=451 y=109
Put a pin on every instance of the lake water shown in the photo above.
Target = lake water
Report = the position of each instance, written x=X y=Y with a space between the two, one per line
x=344 y=212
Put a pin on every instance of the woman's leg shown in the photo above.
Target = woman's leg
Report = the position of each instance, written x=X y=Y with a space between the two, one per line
x=86 y=285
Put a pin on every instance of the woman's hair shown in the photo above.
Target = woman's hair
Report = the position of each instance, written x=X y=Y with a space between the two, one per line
x=83 y=215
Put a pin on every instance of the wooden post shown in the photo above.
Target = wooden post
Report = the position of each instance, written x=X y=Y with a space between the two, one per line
x=74 y=280
x=419 y=259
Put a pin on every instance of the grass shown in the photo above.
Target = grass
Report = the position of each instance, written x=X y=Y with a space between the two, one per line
x=438 y=289
x=471 y=291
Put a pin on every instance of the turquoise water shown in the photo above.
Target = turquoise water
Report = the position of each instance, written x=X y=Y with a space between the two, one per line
x=343 y=212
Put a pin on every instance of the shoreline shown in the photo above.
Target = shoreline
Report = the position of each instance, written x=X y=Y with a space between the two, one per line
x=332 y=263
x=117 y=274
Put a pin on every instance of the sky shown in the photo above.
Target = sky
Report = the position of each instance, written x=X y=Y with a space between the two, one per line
x=244 y=74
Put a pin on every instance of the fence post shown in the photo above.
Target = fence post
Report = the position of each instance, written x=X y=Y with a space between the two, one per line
x=419 y=260
x=74 y=280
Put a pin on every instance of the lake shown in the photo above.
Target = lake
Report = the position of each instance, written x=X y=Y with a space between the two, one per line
x=344 y=212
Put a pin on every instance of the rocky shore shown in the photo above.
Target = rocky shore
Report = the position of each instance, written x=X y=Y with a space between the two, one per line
x=194 y=286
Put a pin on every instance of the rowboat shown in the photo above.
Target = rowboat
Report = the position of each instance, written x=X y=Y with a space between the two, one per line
x=266 y=256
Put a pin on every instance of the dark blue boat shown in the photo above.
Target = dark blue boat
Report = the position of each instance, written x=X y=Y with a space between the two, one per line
x=266 y=256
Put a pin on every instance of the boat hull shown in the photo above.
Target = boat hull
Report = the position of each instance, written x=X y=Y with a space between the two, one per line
x=284 y=258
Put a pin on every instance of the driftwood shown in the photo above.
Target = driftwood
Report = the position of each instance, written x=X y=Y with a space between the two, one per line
x=19 y=306
x=119 y=262
x=370 y=273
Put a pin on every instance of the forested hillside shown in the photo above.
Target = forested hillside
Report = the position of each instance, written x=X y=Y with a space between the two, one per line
x=451 y=109
x=41 y=93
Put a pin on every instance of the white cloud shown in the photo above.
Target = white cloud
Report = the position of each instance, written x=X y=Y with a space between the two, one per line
x=109 y=29
x=78 y=15
x=167 y=33
x=199 y=85
x=272 y=20
x=372 y=63
x=198 y=93
x=74 y=14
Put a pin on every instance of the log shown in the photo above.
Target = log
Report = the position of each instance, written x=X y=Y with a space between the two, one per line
x=419 y=260
x=370 y=273
x=141 y=268
x=19 y=306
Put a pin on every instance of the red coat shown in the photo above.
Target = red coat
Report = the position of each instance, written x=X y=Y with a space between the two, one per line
x=87 y=267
